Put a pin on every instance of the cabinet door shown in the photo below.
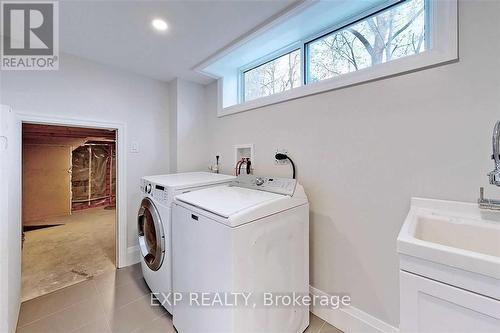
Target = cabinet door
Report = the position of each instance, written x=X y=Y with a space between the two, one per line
x=429 y=306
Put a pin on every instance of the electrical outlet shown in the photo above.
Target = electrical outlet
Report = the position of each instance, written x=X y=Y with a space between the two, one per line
x=281 y=162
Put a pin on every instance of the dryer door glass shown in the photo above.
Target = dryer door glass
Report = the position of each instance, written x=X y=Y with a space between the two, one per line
x=150 y=234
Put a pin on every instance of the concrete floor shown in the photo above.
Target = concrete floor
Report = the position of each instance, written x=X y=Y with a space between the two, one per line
x=60 y=256
x=117 y=301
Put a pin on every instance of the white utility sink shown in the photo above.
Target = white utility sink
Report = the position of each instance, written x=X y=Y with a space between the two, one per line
x=449 y=268
x=459 y=233
x=454 y=234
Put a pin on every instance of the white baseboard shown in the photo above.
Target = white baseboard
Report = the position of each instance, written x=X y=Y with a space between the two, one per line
x=133 y=255
x=350 y=319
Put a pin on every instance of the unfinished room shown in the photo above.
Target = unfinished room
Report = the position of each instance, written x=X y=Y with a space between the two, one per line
x=68 y=206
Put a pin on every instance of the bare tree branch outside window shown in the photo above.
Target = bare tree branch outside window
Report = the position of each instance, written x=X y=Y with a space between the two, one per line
x=275 y=76
x=395 y=33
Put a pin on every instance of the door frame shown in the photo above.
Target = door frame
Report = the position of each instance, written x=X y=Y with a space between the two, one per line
x=121 y=179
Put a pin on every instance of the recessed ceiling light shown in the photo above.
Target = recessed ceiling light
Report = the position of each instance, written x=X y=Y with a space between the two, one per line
x=159 y=24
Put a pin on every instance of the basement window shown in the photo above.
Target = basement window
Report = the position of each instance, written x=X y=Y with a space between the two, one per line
x=325 y=45
x=396 y=32
x=275 y=76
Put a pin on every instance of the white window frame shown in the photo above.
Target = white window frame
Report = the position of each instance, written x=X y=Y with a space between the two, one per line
x=353 y=21
x=264 y=60
x=441 y=47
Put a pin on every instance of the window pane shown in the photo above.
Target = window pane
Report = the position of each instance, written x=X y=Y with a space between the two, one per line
x=392 y=34
x=275 y=76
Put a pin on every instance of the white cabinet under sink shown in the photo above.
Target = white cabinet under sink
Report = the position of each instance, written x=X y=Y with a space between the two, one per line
x=449 y=268
x=434 y=307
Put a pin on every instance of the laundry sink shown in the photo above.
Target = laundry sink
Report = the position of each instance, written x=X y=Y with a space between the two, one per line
x=449 y=267
x=459 y=233
x=454 y=234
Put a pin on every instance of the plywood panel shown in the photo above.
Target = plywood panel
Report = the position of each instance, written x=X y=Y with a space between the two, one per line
x=46 y=182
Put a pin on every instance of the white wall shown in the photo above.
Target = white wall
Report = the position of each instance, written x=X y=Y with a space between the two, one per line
x=188 y=112
x=363 y=151
x=82 y=89
x=172 y=107
x=14 y=229
x=4 y=216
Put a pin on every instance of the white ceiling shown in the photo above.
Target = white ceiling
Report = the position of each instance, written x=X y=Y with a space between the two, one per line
x=119 y=33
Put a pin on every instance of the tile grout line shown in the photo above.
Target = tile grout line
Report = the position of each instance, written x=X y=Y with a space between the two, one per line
x=323 y=325
x=153 y=320
x=61 y=291
x=99 y=296
x=90 y=322
x=133 y=301
x=134 y=278
x=139 y=328
x=128 y=303
x=60 y=310
x=106 y=320
x=56 y=290
x=136 y=300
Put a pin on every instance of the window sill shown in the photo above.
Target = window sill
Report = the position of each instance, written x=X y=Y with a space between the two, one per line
x=401 y=66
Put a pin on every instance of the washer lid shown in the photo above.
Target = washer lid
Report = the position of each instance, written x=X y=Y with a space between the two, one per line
x=226 y=201
x=189 y=179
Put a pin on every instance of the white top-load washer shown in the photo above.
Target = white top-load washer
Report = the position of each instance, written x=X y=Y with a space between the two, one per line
x=250 y=237
x=154 y=224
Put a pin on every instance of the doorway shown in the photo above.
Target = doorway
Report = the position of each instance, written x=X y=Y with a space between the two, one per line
x=69 y=218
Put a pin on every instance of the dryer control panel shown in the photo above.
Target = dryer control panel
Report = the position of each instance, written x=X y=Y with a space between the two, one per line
x=157 y=192
x=277 y=185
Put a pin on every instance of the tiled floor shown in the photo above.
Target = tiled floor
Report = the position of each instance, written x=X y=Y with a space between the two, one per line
x=61 y=256
x=117 y=301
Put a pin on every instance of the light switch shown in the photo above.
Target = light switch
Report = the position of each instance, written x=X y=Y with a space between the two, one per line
x=134 y=147
x=3 y=143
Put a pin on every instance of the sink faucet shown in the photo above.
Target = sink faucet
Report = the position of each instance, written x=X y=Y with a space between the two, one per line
x=494 y=175
x=487 y=203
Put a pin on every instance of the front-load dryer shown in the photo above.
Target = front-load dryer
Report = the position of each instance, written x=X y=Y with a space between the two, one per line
x=154 y=224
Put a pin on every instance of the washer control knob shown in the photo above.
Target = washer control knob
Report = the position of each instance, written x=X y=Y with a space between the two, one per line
x=148 y=188
x=259 y=181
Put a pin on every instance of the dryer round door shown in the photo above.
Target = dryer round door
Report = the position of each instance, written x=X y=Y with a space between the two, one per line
x=151 y=237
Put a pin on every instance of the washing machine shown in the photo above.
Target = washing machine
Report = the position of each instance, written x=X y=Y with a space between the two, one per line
x=154 y=224
x=250 y=237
